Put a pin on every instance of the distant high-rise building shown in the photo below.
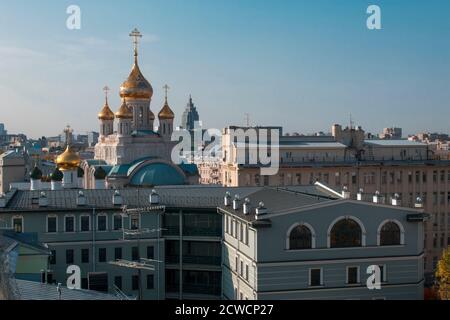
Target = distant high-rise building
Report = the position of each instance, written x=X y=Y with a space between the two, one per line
x=391 y=133
x=3 y=132
x=92 y=138
x=190 y=116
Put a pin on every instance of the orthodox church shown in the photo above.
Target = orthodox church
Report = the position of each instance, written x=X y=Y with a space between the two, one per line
x=130 y=152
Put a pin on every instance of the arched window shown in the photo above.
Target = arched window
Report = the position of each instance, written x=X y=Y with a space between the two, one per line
x=346 y=233
x=300 y=238
x=390 y=234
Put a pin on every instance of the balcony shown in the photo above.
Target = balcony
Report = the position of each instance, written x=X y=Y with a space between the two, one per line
x=202 y=232
x=199 y=260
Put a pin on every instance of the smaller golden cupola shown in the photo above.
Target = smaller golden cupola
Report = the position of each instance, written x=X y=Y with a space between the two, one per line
x=124 y=112
x=106 y=113
x=68 y=160
x=166 y=113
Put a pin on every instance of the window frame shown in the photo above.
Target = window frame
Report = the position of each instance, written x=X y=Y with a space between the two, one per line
x=310 y=278
x=74 y=223
x=56 y=223
x=358 y=275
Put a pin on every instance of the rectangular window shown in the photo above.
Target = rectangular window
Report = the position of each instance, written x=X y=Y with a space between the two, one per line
x=151 y=253
x=383 y=273
x=236 y=264
x=135 y=283
x=242 y=268
x=117 y=222
x=85 y=223
x=118 y=253
x=134 y=222
x=51 y=224
x=102 y=255
x=315 y=277
x=70 y=224
x=52 y=260
x=135 y=254
x=18 y=225
x=84 y=255
x=246 y=272
x=101 y=223
x=352 y=275
x=118 y=282
x=69 y=256
x=150 y=281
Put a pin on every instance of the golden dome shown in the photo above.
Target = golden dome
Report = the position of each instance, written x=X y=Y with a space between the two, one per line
x=166 y=113
x=124 y=112
x=68 y=160
x=136 y=86
x=106 y=113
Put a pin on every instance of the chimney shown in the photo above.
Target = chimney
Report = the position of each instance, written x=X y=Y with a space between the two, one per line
x=117 y=198
x=56 y=185
x=2 y=201
x=35 y=184
x=345 y=193
x=236 y=202
x=360 y=195
x=396 y=200
x=100 y=184
x=227 y=200
x=43 y=201
x=378 y=198
x=247 y=206
x=81 y=199
x=154 y=198
x=419 y=203
x=261 y=210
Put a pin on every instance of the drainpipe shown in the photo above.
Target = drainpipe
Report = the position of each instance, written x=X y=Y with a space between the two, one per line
x=93 y=241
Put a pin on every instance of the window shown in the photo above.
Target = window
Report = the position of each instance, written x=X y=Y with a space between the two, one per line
x=383 y=274
x=300 y=238
x=84 y=255
x=52 y=258
x=135 y=283
x=150 y=281
x=52 y=224
x=102 y=255
x=315 y=277
x=236 y=264
x=242 y=268
x=118 y=282
x=69 y=256
x=353 y=275
x=69 y=223
x=134 y=222
x=117 y=222
x=346 y=233
x=150 y=253
x=246 y=272
x=390 y=234
x=85 y=223
x=135 y=254
x=101 y=223
x=118 y=253
x=17 y=223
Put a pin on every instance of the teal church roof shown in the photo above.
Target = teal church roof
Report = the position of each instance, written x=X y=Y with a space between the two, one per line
x=157 y=174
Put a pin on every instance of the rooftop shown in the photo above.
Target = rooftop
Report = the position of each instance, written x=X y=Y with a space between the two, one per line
x=395 y=143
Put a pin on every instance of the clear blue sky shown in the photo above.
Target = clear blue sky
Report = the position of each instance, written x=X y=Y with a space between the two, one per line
x=301 y=64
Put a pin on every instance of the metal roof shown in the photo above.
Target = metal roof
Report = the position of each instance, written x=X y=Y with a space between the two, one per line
x=395 y=143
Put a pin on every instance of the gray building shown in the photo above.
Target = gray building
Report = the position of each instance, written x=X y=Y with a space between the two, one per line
x=188 y=241
x=304 y=246
x=190 y=116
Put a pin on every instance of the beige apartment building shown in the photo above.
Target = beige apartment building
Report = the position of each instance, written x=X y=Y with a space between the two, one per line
x=390 y=168
x=12 y=169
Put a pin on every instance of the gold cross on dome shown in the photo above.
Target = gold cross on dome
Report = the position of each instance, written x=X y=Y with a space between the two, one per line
x=106 y=90
x=136 y=35
x=166 y=88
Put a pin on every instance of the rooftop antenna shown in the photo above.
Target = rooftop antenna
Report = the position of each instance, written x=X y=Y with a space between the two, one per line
x=247 y=119
x=352 y=124
x=106 y=90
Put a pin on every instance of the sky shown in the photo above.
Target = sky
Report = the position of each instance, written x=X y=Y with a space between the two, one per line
x=300 y=64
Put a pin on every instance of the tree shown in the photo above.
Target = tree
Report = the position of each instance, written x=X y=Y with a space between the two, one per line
x=443 y=275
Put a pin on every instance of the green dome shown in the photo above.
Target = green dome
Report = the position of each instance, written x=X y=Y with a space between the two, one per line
x=36 y=174
x=158 y=174
x=57 y=175
x=100 y=174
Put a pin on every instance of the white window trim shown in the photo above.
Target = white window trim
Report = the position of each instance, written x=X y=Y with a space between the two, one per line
x=398 y=223
x=298 y=224
x=358 y=277
x=46 y=225
x=90 y=222
x=102 y=215
x=74 y=223
x=15 y=218
x=359 y=222
x=310 y=277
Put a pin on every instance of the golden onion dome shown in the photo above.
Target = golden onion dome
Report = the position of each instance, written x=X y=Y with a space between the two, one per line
x=106 y=113
x=68 y=160
x=136 y=86
x=166 y=113
x=124 y=112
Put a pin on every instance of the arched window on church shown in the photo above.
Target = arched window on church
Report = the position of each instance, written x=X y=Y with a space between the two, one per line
x=300 y=238
x=346 y=233
x=390 y=234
